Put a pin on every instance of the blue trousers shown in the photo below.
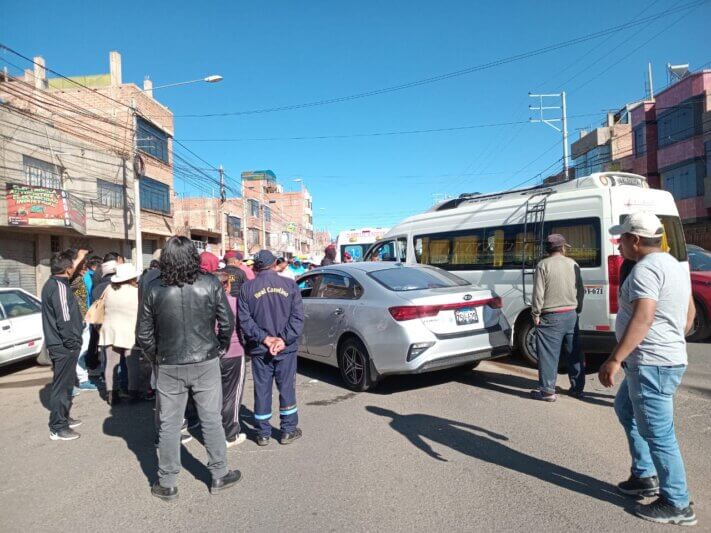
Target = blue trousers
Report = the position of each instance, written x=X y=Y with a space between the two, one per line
x=558 y=333
x=645 y=407
x=265 y=371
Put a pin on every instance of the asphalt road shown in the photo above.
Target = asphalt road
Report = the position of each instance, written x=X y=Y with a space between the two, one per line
x=459 y=450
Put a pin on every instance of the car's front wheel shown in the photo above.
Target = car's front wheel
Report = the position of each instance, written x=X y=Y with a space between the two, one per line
x=354 y=364
x=701 y=328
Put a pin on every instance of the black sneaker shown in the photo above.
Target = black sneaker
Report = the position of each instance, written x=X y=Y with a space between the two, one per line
x=262 y=441
x=662 y=512
x=577 y=394
x=64 y=434
x=164 y=493
x=642 y=487
x=230 y=479
x=288 y=438
x=73 y=422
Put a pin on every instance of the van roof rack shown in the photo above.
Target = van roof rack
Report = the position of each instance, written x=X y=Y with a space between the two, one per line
x=476 y=197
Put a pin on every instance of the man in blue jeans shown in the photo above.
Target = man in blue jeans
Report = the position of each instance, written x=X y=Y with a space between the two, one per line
x=656 y=310
x=556 y=302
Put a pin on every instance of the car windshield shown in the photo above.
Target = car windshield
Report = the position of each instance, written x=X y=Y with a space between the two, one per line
x=699 y=259
x=413 y=279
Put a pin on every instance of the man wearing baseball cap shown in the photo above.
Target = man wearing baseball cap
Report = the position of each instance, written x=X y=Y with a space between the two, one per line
x=233 y=268
x=656 y=310
x=271 y=316
x=556 y=302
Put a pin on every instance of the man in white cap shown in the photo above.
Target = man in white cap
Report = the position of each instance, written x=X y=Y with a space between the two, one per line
x=656 y=310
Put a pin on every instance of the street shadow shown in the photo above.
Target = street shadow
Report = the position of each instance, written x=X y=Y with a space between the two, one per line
x=134 y=423
x=515 y=385
x=44 y=395
x=488 y=446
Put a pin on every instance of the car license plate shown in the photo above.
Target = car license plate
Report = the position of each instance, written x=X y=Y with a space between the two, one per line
x=466 y=315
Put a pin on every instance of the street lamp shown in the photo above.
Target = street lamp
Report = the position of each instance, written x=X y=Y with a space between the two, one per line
x=213 y=78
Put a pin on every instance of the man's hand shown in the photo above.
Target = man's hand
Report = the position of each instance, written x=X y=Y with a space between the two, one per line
x=607 y=372
x=277 y=347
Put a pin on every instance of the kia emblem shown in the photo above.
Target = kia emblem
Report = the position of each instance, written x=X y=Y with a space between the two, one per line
x=467 y=297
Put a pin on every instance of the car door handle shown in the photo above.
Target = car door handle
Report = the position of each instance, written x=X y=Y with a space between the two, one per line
x=338 y=311
x=6 y=327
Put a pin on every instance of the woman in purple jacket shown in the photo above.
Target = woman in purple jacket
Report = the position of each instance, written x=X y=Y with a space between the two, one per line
x=232 y=365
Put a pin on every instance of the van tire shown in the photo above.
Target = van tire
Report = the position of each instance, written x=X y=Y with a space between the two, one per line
x=702 y=327
x=524 y=340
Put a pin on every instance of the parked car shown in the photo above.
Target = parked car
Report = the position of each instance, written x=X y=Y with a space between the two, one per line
x=21 y=334
x=376 y=319
x=700 y=266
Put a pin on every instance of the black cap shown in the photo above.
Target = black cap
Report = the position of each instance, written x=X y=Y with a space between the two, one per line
x=264 y=259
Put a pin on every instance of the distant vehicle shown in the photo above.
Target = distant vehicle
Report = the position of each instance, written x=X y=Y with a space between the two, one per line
x=700 y=266
x=21 y=335
x=495 y=240
x=356 y=241
x=376 y=319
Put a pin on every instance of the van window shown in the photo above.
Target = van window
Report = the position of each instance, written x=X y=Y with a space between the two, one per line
x=389 y=251
x=673 y=240
x=506 y=247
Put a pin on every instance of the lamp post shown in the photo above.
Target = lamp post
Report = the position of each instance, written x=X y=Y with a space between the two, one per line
x=214 y=78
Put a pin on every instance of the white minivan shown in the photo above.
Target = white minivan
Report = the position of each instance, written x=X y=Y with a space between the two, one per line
x=495 y=240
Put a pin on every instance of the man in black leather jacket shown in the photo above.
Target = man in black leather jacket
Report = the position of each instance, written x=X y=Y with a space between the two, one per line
x=176 y=331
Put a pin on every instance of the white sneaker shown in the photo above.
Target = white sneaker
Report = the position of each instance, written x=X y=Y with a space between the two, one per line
x=239 y=439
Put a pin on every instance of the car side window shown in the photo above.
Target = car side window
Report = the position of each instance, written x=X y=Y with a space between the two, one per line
x=307 y=286
x=335 y=286
x=402 y=249
x=15 y=304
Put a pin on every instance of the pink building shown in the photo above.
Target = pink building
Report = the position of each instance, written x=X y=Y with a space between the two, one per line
x=672 y=147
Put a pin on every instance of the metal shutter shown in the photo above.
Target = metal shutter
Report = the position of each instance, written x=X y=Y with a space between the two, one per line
x=18 y=262
x=149 y=247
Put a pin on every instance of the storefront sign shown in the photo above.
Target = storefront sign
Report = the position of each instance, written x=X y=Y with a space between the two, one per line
x=40 y=206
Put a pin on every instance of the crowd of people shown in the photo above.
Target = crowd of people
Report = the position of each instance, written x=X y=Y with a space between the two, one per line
x=194 y=321
x=190 y=322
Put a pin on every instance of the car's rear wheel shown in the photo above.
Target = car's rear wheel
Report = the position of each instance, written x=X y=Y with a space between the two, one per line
x=354 y=364
x=701 y=329
x=525 y=340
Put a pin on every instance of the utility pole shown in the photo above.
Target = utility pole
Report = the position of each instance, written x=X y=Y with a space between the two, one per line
x=137 y=169
x=651 y=84
x=264 y=218
x=550 y=121
x=223 y=215
x=244 y=219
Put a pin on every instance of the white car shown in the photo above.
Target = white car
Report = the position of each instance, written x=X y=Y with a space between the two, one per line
x=376 y=319
x=21 y=335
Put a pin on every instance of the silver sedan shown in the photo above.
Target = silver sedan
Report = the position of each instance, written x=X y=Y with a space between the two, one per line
x=375 y=319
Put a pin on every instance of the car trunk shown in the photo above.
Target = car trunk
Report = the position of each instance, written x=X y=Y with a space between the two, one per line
x=450 y=310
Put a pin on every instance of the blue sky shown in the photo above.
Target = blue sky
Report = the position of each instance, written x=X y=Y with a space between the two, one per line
x=287 y=52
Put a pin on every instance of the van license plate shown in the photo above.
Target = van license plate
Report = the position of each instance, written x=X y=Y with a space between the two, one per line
x=466 y=315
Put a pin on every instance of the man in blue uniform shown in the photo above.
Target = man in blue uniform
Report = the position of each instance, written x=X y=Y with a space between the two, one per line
x=271 y=316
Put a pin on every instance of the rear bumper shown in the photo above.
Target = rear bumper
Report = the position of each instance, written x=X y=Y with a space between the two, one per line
x=493 y=342
x=598 y=341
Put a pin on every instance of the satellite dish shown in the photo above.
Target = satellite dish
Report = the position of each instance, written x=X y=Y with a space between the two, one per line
x=678 y=72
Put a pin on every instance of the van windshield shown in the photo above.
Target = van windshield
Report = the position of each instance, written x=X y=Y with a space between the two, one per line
x=673 y=239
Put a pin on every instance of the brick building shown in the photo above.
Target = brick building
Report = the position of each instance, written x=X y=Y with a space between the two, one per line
x=68 y=165
x=605 y=148
x=268 y=217
x=672 y=147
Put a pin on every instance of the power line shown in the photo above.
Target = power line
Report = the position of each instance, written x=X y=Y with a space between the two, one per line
x=461 y=72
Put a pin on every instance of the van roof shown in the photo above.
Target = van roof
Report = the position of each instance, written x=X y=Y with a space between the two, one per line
x=598 y=180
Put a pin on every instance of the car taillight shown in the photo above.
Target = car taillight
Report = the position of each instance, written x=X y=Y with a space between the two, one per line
x=410 y=312
x=614 y=263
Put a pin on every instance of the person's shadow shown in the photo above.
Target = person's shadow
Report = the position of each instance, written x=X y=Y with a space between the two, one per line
x=488 y=446
x=134 y=423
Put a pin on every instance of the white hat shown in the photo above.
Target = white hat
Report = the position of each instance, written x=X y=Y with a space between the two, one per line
x=124 y=272
x=642 y=223
x=108 y=268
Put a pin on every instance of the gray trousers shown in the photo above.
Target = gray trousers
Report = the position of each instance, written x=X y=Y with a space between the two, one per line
x=172 y=385
x=113 y=360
